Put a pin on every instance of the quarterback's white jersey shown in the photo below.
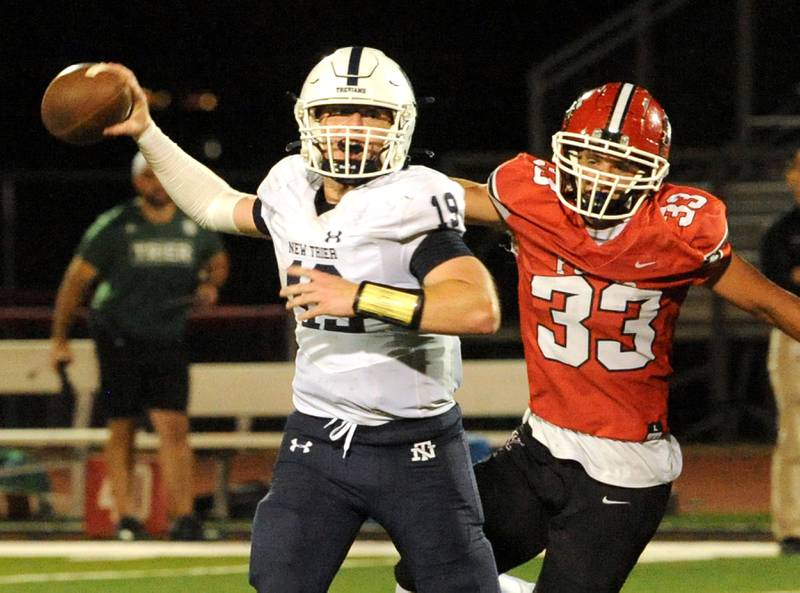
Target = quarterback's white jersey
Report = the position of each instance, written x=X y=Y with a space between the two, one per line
x=361 y=370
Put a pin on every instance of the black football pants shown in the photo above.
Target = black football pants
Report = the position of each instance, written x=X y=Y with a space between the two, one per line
x=532 y=501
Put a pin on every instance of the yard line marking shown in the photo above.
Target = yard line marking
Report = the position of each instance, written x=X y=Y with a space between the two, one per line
x=370 y=562
x=195 y=571
x=115 y=550
x=687 y=551
x=93 y=550
x=113 y=575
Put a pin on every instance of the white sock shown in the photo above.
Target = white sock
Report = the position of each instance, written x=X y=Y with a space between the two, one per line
x=509 y=584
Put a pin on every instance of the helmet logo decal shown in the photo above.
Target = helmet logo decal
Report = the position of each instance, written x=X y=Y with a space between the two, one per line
x=354 y=65
x=621 y=105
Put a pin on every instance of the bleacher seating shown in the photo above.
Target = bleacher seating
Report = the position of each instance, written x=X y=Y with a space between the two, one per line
x=752 y=207
x=492 y=388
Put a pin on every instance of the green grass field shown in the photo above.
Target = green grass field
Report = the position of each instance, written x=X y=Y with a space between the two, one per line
x=364 y=575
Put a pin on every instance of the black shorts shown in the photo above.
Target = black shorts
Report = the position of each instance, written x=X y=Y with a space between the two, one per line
x=413 y=477
x=532 y=501
x=137 y=376
x=593 y=532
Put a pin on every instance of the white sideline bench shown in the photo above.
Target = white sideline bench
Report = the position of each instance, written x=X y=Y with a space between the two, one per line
x=244 y=391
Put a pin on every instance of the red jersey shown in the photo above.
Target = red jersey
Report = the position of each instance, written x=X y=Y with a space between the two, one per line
x=597 y=320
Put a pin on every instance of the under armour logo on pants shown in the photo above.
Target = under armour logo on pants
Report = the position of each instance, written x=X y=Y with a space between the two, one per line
x=306 y=447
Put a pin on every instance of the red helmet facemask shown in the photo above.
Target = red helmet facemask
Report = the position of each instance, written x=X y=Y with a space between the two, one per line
x=621 y=123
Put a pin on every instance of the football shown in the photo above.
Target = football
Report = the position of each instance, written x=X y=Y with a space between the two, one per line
x=82 y=100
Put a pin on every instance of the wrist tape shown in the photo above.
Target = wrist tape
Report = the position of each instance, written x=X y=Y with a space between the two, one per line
x=399 y=306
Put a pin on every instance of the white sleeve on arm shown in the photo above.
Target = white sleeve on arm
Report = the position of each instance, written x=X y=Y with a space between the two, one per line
x=195 y=188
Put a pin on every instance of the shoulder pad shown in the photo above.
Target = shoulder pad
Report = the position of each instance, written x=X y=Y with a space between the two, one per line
x=513 y=185
x=522 y=169
x=698 y=217
x=287 y=171
x=411 y=202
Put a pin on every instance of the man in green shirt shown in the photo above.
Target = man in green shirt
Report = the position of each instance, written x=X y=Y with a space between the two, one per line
x=150 y=264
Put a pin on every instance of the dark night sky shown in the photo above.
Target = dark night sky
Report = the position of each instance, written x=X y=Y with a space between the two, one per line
x=471 y=56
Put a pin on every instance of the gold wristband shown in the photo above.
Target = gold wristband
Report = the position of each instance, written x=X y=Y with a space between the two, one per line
x=400 y=306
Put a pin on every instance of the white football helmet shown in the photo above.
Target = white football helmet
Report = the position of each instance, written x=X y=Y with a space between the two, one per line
x=356 y=76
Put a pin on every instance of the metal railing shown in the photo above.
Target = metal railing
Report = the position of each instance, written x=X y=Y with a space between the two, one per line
x=633 y=23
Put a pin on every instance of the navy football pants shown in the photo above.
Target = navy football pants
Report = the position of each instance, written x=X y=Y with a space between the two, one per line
x=414 y=477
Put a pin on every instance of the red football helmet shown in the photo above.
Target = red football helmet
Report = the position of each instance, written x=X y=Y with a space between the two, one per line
x=618 y=123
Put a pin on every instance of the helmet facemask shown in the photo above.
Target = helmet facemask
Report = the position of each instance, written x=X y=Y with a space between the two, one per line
x=600 y=194
x=353 y=153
